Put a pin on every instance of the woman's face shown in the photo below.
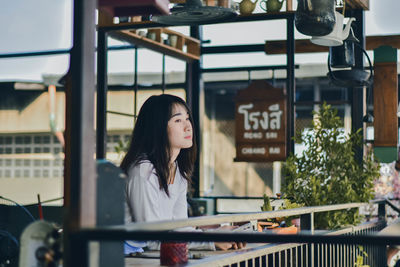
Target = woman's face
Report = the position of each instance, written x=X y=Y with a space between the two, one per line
x=180 y=133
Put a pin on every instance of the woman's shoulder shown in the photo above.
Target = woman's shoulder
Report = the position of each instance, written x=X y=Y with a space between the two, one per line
x=142 y=168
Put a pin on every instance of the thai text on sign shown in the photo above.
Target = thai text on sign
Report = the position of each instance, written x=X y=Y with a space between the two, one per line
x=260 y=123
x=269 y=119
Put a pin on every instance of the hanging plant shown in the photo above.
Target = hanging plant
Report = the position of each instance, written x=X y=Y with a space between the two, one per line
x=327 y=172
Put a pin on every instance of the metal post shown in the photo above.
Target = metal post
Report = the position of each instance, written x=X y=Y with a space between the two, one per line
x=80 y=174
x=357 y=111
x=195 y=99
x=101 y=122
x=382 y=211
x=307 y=224
x=163 y=74
x=136 y=82
x=290 y=84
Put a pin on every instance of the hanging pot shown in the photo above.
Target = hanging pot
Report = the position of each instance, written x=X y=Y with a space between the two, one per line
x=343 y=56
x=315 y=17
x=338 y=34
x=352 y=77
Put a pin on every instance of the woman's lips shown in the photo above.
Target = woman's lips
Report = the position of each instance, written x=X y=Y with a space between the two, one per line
x=188 y=137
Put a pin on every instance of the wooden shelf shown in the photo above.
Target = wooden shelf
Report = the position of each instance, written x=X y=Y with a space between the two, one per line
x=192 y=45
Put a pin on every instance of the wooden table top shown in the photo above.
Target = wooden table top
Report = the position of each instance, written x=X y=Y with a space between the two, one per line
x=152 y=258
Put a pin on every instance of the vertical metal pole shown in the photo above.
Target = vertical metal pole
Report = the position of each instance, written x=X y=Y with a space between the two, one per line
x=382 y=211
x=357 y=111
x=101 y=122
x=80 y=174
x=307 y=224
x=163 y=74
x=290 y=83
x=195 y=100
x=136 y=87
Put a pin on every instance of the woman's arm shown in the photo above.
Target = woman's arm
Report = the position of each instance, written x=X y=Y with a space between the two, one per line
x=143 y=193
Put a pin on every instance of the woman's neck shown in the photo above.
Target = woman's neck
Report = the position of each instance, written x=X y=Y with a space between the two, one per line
x=174 y=155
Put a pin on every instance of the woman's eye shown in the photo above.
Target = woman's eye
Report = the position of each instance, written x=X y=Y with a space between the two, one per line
x=178 y=120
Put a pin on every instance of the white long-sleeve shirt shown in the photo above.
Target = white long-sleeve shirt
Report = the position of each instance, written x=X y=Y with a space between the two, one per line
x=148 y=203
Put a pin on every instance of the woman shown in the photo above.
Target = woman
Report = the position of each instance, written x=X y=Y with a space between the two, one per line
x=159 y=164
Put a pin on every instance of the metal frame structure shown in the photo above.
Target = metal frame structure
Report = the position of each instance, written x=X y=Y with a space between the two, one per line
x=194 y=86
x=79 y=164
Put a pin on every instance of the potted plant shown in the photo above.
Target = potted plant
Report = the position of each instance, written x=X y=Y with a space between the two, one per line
x=279 y=225
x=326 y=172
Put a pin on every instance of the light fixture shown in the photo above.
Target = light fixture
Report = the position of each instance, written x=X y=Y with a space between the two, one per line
x=368 y=118
x=194 y=13
x=398 y=110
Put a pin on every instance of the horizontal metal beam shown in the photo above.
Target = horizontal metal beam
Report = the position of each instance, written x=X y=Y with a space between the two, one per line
x=249 y=68
x=257 y=237
x=37 y=53
x=121 y=113
x=218 y=219
x=57 y=52
x=223 y=49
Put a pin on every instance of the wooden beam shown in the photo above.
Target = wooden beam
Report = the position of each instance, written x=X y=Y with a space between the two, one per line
x=385 y=104
x=374 y=42
x=358 y=4
x=305 y=46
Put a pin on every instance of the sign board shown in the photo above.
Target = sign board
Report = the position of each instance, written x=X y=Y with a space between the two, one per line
x=260 y=123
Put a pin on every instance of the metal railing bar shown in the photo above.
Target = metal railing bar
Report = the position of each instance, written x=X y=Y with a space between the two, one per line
x=337 y=260
x=237 y=256
x=218 y=219
x=107 y=235
x=273 y=260
x=56 y=52
x=393 y=206
x=308 y=261
x=278 y=258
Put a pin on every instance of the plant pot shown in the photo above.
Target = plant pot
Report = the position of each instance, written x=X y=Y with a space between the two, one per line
x=285 y=230
x=265 y=225
x=296 y=222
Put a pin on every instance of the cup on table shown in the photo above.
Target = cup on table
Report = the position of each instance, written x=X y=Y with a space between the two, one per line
x=173 y=40
x=172 y=253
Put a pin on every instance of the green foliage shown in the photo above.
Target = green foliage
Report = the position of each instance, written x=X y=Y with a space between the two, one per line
x=360 y=258
x=267 y=204
x=327 y=172
x=121 y=147
x=287 y=204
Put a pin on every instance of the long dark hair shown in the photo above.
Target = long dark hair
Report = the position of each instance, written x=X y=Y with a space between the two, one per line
x=150 y=140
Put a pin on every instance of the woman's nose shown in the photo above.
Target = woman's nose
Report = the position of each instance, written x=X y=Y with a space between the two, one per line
x=188 y=126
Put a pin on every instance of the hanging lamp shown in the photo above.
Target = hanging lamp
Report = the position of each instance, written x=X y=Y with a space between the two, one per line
x=194 y=13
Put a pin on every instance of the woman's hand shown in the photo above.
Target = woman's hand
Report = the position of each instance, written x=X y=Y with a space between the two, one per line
x=229 y=245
